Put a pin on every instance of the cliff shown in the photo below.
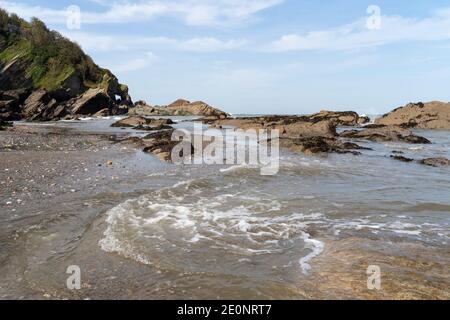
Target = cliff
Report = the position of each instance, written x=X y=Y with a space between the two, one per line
x=44 y=76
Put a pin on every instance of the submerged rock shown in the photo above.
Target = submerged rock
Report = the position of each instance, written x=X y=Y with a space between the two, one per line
x=385 y=133
x=401 y=158
x=435 y=162
x=432 y=115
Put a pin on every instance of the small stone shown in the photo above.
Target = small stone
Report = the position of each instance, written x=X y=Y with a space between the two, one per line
x=109 y=163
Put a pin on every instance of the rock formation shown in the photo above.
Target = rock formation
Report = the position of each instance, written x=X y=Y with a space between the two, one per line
x=178 y=108
x=308 y=134
x=135 y=121
x=44 y=76
x=432 y=115
x=379 y=133
x=141 y=108
x=345 y=118
x=435 y=162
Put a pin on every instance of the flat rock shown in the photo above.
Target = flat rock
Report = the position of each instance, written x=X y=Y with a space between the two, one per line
x=435 y=162
x=385 y=133
x=314 y=145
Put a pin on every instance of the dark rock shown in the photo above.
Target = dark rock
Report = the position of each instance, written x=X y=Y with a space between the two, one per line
x=10 y=102
x=313 y=145
x=435 y=162
x=91 y=102
x=41 y=106
x=385 y=133
x=308 y=134
x=161 y=145
x=401 y=158
x=5 y=124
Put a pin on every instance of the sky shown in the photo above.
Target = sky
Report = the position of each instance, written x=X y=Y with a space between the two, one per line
x=263 y=56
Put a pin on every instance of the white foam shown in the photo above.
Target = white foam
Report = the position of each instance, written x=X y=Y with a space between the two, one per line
x=244 y=229
x=317 y=248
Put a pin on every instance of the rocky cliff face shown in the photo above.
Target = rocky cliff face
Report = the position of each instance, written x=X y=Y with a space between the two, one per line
x=432 y=115
x=44 y=76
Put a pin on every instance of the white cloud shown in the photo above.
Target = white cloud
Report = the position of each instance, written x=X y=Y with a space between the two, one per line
x=394 y=29
x=137 y=64
x=191 y=12
x=97 y=42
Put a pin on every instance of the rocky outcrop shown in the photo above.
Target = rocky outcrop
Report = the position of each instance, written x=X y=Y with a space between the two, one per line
x=318 y=144
x=40 y=106
x=401 y=158
x=10 y=102
x=435 y=162
x=432 y=162
x=178 y=108
x=44 y=76
x=307 y=134
x=379 y=133
x=344 y=118
x=432 y=115
x=159 y=144
x=135 y=121
x=141 y=108
x=92 y=102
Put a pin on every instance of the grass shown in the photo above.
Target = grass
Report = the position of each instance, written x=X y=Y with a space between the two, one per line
x=19 y=50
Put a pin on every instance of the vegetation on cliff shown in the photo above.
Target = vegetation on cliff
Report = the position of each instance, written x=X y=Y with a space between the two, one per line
x=34 y=58
x=48 y=58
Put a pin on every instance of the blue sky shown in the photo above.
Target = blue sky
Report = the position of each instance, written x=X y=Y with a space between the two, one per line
x=265 y=56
